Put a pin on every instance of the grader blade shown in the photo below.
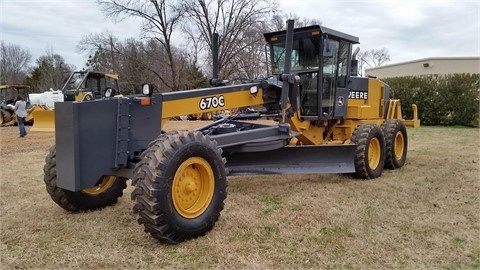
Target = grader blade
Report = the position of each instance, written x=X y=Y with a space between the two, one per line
x=294 y=160
x=43 y=121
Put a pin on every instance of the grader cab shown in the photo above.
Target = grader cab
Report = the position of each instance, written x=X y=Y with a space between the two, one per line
x=327 y=121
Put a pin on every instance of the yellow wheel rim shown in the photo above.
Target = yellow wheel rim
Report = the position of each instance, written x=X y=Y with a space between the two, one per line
x=398 y=145
x=193 y=186
x=105 y=183
x=374 y=153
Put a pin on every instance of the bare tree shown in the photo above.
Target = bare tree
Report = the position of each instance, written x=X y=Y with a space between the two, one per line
x=141 y=62
x=102 y=50
x=159 y=21
x=278 y=21
x=50 y=72
x=136 y=61
x=232 y=20
x=372 y=58
x=14 y=61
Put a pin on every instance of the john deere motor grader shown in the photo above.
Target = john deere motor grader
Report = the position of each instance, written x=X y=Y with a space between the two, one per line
x=82 y=85
x=328 y=121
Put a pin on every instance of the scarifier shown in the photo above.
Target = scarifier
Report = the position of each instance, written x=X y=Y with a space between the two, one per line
x=328 y=120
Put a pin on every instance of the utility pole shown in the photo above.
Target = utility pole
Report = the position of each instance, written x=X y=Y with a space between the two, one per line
x=111 y=53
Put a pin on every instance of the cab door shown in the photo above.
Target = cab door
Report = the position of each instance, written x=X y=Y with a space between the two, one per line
x=334 y=79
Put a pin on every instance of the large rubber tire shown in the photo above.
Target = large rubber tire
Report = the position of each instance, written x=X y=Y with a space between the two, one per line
x=180 y=186
x=370 y=151
x=87 y=97
x=207 y=116
x=105 y=193
x=396 y=143
x=6 y=116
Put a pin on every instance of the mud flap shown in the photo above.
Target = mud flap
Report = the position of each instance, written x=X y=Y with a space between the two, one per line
x=294 y=160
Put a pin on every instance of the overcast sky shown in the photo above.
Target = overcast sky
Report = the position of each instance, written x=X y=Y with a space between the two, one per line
x=409 y=29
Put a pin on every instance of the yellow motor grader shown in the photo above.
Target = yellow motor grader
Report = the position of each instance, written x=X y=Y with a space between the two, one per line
x=80 y=86
x=8 y=93
x=328 y=120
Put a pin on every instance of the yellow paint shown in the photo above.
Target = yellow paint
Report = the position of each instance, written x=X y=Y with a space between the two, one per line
x=105 y=183
x=359 y=111
x=83 y=96
x=185 y=106
x=399 y=145
x=372 y=107
x=112 y=75
x=44 y=121
x=309 y=133
x=374 y=153
x=193 y=187
x=414 y=122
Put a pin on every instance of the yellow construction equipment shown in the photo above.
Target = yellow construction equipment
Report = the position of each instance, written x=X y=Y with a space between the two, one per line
x=8 y=93
x=44 y=121
x=328 y=120
x=80 y=86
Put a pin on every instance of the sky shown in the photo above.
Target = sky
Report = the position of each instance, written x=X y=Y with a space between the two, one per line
x=409 y=29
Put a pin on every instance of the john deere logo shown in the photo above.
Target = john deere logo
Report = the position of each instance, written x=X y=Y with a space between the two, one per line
x=340 y=101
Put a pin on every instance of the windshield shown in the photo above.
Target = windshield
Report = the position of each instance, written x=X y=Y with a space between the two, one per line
x=304 y=55
x=8 y=95
x=75 y=81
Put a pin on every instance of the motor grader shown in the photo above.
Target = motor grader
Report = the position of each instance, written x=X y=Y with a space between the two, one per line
x=328 y=120
x=80 y=86
x=8 y=93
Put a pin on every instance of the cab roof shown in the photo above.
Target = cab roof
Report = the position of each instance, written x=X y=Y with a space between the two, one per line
x=14 y=86
x=324 y=30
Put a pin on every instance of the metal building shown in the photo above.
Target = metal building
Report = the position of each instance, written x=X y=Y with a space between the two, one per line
x=427 y=66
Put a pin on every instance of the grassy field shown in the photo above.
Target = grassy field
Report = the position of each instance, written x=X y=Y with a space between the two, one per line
x=423 y=216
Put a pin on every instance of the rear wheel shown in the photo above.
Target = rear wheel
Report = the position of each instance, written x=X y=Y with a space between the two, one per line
x=105 y=193
x=180 y=186
x=396 y=142
x=370 y=151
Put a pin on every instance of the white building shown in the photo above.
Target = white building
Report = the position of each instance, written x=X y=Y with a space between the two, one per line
x=427 y=66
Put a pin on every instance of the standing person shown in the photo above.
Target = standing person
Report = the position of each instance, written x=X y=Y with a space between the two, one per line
x=21 y=112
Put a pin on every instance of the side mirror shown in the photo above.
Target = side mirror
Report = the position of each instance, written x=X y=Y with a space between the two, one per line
x=110 y=92
x=147 y=89
x=328 y=48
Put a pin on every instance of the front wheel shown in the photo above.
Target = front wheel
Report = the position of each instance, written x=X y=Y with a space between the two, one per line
x=105 y=193
x=370 y=151
x=180 y=186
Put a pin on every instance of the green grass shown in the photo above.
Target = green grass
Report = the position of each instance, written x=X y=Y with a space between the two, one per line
x=425 y=215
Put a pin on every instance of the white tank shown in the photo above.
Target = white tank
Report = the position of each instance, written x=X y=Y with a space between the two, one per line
x=46 y=98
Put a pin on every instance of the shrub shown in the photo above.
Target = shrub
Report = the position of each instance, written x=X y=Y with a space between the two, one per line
x=441 y=99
